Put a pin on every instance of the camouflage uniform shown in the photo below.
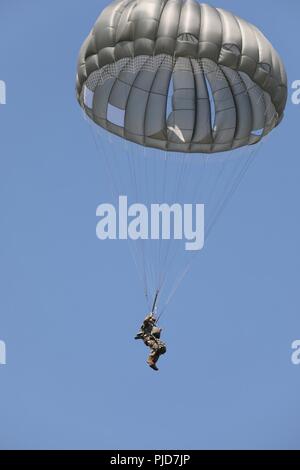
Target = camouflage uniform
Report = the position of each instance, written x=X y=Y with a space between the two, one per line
x=147 y=326
x=150 y=334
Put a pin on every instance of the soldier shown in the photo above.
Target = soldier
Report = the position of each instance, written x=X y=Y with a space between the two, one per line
x=147 y=326
x=150 y=334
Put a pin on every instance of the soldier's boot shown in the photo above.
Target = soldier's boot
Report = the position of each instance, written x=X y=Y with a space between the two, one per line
x=152 y=363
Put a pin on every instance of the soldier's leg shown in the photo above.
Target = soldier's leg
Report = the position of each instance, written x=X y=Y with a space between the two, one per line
x=151 y=361
x=162 y=349
x=153 y=356
x=156 y=352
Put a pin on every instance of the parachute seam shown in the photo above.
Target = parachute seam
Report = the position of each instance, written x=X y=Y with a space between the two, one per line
x=237 y=112
x=131 y=89
x=179 y=19
x=109 y=95
x=147 y=103
x=223 y=69
x=242 y=42
x=228 y=87
x=251 y=105
x=222 y=34
x=120 y=10
x=196 y=105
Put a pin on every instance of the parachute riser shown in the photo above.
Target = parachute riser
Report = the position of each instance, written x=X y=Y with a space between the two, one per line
x=154 y=302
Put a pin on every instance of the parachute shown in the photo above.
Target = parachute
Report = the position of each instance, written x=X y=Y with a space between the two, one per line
x=188 y=92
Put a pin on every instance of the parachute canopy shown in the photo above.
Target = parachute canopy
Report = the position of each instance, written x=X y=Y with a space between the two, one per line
x=180 y=76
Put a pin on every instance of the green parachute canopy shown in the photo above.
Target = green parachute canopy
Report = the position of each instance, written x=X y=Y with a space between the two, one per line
x=181 y=76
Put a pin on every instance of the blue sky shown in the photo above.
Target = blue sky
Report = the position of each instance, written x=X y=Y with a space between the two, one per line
x=70 y=304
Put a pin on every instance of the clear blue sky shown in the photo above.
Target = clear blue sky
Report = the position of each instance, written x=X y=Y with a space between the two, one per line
x=70 y=304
